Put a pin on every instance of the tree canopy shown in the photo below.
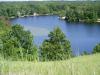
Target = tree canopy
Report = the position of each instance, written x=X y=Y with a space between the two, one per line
x=17 y=44
x=87 y=11
x=96 y=49
x=57 y=47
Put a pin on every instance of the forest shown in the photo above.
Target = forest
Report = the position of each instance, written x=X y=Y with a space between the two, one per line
x=79 y=11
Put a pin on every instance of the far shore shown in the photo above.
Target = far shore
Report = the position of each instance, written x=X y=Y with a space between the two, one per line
x=98 y=20
x=62 y=18
x=30 y=15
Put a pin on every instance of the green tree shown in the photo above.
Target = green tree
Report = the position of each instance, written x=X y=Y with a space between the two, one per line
x=57 y=47
x=18 y=44
x=72 y=16
x=96 y=49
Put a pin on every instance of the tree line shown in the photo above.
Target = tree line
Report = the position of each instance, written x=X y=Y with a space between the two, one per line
x=79 y=11
x=18 y=44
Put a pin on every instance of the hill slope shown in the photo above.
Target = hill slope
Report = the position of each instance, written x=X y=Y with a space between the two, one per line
x=83 y=65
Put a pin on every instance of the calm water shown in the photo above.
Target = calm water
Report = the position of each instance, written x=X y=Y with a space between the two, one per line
x=83 y=37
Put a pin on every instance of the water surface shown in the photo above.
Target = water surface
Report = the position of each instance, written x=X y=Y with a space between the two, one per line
x=83 y=37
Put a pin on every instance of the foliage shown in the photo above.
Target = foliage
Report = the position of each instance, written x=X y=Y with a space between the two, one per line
x=72 y=16
x=96 y=49
x=18 y=44
x=75 y=14
x=4 y=25
x=57 y=47
x=85 y=11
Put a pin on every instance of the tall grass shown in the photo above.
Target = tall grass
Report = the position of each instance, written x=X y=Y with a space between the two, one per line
x=83 y=65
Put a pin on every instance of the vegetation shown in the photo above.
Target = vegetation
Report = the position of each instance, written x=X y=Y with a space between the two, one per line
x=88 y=15
x=83 y=65
x=96 y=49
x=57 y=47
x=4 y=25
x=18 y=53
x=79 y=11
x=17 y=44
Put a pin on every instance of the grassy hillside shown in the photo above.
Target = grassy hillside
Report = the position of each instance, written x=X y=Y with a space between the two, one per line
x=83 y=65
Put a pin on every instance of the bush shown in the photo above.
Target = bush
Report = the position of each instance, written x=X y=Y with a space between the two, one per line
x=96 y=49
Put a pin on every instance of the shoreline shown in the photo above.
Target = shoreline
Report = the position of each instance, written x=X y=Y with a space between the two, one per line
x=98 y=20
x=59 y=17
x=30 y=15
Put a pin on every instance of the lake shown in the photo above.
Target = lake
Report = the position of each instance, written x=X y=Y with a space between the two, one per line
x=83 y=37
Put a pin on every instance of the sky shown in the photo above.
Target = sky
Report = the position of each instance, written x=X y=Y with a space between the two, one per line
x=21 y=0
x=42 y=0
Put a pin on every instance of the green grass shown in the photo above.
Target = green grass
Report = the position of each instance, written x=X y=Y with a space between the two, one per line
x=82 y=65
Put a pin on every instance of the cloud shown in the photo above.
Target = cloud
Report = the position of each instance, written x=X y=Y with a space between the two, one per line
x=37 y=31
